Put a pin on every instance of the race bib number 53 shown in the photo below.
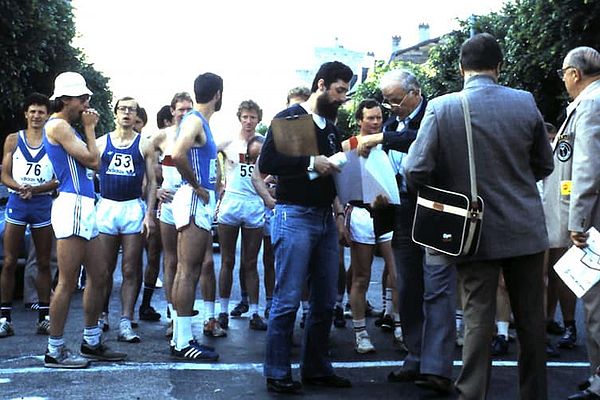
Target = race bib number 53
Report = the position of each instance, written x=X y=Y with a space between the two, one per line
x=121 y=164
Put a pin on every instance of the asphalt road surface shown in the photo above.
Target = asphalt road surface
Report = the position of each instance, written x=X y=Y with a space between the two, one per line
x=151 y=373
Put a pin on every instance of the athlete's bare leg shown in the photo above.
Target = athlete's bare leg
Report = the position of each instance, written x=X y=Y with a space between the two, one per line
x=42 y=239
x=70 y=253
x=97 y=277
x=228 y=236
x=362 y=258
x=191 y=248
x=13 y=241
x=132 y=272
x=251 y=241
x=208 y=282
x=168 y=236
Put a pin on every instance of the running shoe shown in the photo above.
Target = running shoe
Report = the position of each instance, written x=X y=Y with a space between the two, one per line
x=257 y=323
x=212 y=328
x=363 y=343
x=399 y=339
x=6 y=328
x=223 y=319
x=64 y=359
x=43 y=327
x=32 y=306
x=149 y=314
x=569 y=339
x=239 y=309
x=195 y=352
x=101 y=353
x=386 y=322
x=127 y=334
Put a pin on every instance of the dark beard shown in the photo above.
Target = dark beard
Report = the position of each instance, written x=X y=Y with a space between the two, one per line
x=218 y=104
x=326 y=108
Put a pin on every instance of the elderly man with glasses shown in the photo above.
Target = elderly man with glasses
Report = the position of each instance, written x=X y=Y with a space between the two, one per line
x=571 y=197
x=427 y=289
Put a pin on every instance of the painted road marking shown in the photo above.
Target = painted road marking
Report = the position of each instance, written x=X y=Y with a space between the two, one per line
x=258 y=367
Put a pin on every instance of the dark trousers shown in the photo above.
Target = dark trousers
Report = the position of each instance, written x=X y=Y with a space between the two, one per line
x=524 y=281
x=427 y=294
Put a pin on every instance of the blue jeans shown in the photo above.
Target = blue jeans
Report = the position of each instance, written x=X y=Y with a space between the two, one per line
x=305 y=243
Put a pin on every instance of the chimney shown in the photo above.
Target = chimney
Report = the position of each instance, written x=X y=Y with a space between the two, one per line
x=423 y=32
x=396 y=43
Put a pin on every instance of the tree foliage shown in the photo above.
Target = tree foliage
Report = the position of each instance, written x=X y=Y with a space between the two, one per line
x=535 y=36
x=35 y=46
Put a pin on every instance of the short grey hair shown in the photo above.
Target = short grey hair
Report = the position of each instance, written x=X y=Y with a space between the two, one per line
x=406 y=79
x=585 y=59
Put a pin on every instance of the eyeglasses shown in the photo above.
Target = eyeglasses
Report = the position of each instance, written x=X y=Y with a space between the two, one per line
x=389 y=106
x=561 y=72
x=126 y=109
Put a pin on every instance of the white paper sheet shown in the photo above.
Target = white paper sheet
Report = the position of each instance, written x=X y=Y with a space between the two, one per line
x=580 y=268
x=363 y=179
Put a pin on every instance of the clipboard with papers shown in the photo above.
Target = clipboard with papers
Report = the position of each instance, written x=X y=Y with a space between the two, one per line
x=295 y=135
x=580 y=268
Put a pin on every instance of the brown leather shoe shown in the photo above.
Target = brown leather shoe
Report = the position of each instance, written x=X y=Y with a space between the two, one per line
x=440 y=384
x=333 y=381
x=286 y=385
x=403 y=375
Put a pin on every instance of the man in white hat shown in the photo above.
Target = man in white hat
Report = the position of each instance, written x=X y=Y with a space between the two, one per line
x=74 y=221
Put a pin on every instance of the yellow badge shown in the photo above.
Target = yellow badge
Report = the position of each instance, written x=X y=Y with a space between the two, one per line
x=565 y=188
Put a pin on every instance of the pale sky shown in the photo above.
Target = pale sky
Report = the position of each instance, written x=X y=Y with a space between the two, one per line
x=152 y=49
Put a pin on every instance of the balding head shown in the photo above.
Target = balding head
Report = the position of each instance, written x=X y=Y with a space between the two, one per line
x=585 y=59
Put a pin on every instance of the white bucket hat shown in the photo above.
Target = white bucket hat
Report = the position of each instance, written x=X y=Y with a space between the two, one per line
x=70 y=84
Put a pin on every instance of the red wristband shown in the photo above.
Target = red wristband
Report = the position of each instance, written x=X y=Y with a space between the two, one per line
x=353 y=142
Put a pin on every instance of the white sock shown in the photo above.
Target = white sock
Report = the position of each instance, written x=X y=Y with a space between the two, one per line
x=360 y=325
x=224 y=305
x=502 y=328
x=184 y=332
x=209 y=310
x=174 y=321
x=55 y=343
x=92 y=334
x=459 y=319
x=253 y=309
x=388 y=301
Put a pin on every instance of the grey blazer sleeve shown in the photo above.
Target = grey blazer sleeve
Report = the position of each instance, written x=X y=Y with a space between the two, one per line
x=421 y=158
x=542 y=160
x=585 y=192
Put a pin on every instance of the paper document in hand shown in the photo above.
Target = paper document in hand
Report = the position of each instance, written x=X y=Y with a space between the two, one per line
x=363 y=179
x=580 y=268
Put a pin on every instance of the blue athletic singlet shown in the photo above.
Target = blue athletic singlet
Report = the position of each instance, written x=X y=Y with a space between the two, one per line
x=72 y=176
x=203 y=160
x=30 y=165
x=122 y=171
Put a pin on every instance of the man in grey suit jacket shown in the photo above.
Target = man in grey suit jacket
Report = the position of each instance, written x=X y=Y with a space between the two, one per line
x=572 y=191
x=511 y=153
